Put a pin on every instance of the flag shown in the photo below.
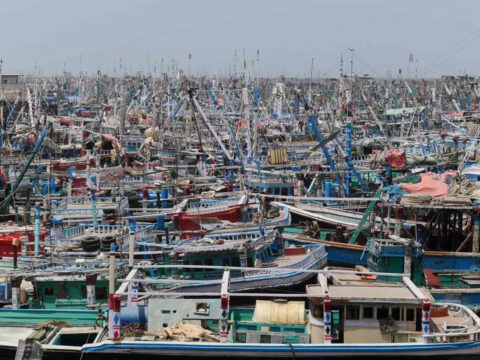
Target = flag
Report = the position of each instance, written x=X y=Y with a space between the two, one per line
x=189 y=56
x=410 y=58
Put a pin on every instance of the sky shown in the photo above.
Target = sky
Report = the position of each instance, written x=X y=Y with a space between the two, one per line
x=86 y=35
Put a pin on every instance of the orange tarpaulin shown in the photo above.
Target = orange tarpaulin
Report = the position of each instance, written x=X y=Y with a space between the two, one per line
x=430 y=184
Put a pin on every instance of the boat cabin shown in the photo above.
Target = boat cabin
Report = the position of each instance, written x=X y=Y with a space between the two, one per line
x=65 y=294
x=396 y=255
x=364 y=310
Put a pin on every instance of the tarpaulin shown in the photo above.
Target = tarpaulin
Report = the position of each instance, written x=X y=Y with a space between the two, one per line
x=396 y=159
x=431 y=184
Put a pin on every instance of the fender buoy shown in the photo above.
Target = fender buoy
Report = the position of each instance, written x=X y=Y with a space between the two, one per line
x=32 y=137
x=3 y=177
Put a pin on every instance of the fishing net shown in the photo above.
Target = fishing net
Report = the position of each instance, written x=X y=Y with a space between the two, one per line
x=411 y=179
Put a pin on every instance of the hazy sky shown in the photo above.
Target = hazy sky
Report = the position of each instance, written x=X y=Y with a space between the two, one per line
x=443 y=36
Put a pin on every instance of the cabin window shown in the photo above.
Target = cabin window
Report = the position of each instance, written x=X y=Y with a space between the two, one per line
x=49 y=292
x=410 y=314
x=241 y=338
x=382 y=312
x=187 y=262
x=250 y=261
x=209 y=262
x=265 y=339
x=395 y=313
x=236 y=261
x=353 y=312
x=226 y=262
x=368 y=312
x=285 y=191
x=199 y=263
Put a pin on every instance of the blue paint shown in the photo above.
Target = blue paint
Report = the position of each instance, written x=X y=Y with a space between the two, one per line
x=331 y=163
x=319 y=349
x=349 y=158
x=163 y=196
x=37 y=230
x=160 y=222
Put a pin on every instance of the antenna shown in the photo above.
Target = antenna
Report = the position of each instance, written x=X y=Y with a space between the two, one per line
x=351 y=67
x=341 y=65
x=311 y=74
x=258 y=63
x=235 y=63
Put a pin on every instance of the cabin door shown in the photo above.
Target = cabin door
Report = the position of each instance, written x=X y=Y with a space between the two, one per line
x=337 y=325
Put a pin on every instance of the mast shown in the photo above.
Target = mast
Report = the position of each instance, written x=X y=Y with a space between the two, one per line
x=348 y=131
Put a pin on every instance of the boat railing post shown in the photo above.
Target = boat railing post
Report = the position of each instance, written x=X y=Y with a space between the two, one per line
x=425 y=319
x=91 y=298
x=94 y=208
x=225 y=304
x=111 y=282
x=327 y=320
x=16 y=281
x=15 y=244
x=116 y=316
x=110 y=315
x=131 y=247
x=476 y=234
x=24 y=244
x=37 y=230
x=133 y=293
x=398 y=221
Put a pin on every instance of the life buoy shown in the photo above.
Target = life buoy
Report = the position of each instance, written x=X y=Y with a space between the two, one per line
x=32 y=137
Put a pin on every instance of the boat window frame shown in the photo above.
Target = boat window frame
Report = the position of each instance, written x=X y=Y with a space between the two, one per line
x=374 y=313
x=406 y=313
x=381 y=307
x=352 y=306
x=399 y=313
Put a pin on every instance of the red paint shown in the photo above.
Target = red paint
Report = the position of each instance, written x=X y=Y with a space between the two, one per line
x=297 y=250
x=6 y=248
x=188 y=222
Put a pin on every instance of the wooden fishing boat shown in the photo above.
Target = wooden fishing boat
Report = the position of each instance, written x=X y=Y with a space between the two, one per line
x=188 y=214
x=246 y=249
x=348 y=315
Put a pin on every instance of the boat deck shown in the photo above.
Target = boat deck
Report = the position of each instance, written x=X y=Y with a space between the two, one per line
x=288 y=260
x=450 y=319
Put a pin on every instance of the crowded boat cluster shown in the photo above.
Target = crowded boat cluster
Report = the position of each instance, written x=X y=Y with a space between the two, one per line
x=239 y=216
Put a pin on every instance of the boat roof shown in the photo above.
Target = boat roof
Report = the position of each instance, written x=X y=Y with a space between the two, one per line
x=349 y=287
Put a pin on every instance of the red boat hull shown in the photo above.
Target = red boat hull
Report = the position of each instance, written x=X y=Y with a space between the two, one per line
x=189 y=222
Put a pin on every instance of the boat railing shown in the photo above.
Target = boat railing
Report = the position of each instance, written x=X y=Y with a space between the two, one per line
x=457 y=311
x=80 y=200
x=77 y=212
x=141 y=231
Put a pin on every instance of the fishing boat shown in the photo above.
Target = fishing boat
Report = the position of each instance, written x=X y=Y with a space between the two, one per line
x=187 y=215
x=240 y=250
x=349 y=314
